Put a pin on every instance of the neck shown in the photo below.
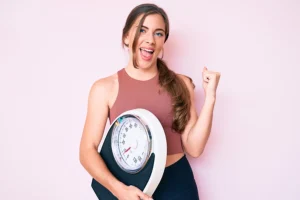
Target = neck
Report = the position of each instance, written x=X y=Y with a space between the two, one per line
x=141 y=73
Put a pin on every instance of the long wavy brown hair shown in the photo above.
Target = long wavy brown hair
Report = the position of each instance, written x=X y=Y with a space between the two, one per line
x=168 y=79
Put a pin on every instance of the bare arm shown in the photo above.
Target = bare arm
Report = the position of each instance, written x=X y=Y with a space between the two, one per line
x=97 y=114
x=197 y=131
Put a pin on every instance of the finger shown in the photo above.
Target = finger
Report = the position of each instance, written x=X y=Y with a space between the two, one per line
x=206 y=78
x=205 y=70
x=144 y=196
x=204 y=75
x=212 y=75
x=207 y=73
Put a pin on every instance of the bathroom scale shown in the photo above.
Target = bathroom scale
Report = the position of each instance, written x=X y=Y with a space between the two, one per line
x=135 y=151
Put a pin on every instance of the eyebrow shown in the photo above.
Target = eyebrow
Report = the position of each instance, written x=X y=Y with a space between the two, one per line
x=158 y=29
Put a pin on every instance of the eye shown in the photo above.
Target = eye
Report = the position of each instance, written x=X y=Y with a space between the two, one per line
x=159 y=34
x=142 y=30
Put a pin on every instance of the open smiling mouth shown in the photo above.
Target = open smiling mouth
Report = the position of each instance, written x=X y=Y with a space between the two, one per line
x=146 y=54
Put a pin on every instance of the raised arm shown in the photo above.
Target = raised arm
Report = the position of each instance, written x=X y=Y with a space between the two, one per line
x=197 y=130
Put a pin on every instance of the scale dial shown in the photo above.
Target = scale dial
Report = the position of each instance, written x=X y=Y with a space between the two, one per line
x=131 y=143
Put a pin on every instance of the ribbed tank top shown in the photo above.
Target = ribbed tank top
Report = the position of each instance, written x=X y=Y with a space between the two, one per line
x=135 y=93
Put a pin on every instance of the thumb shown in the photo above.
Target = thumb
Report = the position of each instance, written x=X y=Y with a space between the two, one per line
x=145 y=196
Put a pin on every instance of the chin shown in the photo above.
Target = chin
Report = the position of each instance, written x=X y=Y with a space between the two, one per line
x=146 y=64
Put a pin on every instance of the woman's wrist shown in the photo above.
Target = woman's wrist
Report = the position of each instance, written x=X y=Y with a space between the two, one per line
x=210 y=98
x=117 y=188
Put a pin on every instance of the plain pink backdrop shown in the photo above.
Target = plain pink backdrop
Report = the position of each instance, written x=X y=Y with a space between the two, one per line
x=52 y=51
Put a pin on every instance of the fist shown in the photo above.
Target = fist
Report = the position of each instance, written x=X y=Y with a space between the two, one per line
x=210 y=81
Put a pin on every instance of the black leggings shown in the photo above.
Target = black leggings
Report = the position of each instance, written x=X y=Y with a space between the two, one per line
x=177 y=183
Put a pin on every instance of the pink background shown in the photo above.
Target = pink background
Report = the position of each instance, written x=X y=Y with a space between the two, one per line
x=52 y=51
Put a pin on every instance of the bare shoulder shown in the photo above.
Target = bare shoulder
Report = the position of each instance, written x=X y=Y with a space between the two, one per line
x=187 y=80
x=97 y=111
x=105 y=87
x=105 y=83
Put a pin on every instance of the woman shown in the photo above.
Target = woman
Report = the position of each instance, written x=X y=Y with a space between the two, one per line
x=169 y=96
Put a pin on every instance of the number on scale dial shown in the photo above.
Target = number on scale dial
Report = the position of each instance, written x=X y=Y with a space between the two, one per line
x=130 y=143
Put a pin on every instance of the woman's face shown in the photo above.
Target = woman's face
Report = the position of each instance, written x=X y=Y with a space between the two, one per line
x=150 y=42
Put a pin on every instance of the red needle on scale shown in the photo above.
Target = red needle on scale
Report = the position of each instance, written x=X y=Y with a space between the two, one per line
x=127 y=149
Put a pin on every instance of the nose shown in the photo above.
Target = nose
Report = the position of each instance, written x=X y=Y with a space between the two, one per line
x=150 y=38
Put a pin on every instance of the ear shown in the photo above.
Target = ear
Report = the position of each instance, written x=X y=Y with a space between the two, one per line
x=126 y=40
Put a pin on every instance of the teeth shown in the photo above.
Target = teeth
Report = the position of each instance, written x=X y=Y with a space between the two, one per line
x=148 y=50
